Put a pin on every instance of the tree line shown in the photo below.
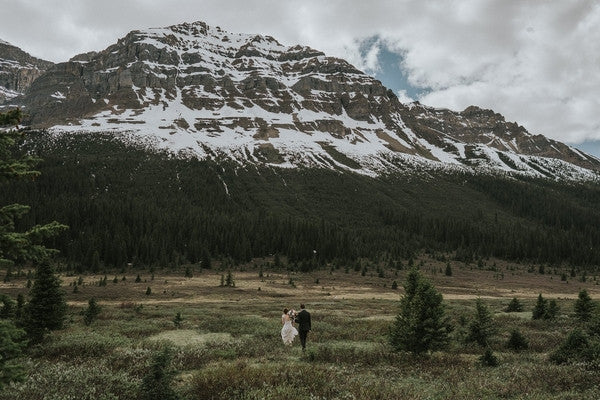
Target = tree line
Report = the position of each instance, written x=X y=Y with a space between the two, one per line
x=124 y=205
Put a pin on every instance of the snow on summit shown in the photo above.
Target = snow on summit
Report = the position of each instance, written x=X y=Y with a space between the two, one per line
x=198 y=90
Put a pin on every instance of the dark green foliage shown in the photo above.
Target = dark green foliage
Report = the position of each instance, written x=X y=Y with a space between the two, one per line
x=12 y=343
x=178 y=320
x=7 y=311
x=25 y=244
x=394 y=285
x=540 y=309
x=552 y=310
x=91 y=312
x=46 y=309
x=563 y=277
x=230 y=282
x=132 y=206
x=577 y=347
x=20 y=307
x=488 y=358
x=448 y=271
x=482 y=326
x=514 y=306
x=95 y=262
x=584 y=306
x=205 y=259
x=517 y=341
x=156 y=384
x=188 y=272
x=421 y=324
x=148 y=291
x=138 y=279
x=12 y=117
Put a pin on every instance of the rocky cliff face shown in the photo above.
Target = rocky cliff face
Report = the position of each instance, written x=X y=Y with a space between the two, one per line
x=201 y=91
x=18 y=70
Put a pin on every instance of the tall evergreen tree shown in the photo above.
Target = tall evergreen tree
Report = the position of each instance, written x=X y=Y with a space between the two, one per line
x=584 y=306
x=482 y=326
x=156 y=384
x=19 y=246
x=46 y=309
x=540 y=309
x=421 y=324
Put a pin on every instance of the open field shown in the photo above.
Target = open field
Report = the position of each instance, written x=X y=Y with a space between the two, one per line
x=228 y=345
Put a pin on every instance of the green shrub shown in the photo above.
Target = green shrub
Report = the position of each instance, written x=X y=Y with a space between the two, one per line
x=594 y=325
x=514 y=306
x=92 y=312
x=541 y=306
x=488 y=358
x=177 y=320
x=156 y=384
x=577 y=347
x=12 y=343
x=517 y=341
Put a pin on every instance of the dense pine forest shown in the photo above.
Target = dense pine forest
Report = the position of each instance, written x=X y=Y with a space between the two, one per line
x=124 y=204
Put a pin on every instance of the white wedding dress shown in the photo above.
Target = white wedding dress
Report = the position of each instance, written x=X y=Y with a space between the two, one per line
x=288 y=332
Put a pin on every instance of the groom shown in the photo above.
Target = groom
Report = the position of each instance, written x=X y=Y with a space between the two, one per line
x=303 y=321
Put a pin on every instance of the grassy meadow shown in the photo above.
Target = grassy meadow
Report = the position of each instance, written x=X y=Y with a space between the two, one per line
x=228 y=346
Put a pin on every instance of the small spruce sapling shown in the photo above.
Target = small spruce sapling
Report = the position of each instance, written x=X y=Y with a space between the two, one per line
x=514 y=306
x=92 y=312
x=178 y=320
x=517 y=341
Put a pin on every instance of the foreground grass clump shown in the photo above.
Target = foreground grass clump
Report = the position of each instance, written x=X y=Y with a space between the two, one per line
x=88 y=380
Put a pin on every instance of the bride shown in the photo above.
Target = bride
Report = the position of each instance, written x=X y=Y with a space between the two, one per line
x=288 y=332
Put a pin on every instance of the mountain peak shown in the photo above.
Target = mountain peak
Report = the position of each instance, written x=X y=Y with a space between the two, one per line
x=18 y=70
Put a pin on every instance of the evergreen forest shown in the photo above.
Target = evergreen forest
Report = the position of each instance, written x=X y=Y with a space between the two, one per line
x=124 y=204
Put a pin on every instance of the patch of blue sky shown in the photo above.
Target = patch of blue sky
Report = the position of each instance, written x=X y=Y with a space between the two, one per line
x=390 y=69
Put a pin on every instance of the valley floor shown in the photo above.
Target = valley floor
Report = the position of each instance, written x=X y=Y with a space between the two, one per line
x=228 y=346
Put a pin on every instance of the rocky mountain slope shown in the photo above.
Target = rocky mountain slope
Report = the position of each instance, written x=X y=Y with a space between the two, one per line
x=18 y=70
x=196 y=90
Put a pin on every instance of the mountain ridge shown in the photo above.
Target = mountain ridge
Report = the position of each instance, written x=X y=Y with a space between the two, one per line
x=201 y=91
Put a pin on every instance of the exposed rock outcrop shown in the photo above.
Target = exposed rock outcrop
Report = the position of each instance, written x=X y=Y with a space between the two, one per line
x=191 y=87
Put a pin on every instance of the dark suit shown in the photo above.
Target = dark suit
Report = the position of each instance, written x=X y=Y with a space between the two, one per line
x=303 y=321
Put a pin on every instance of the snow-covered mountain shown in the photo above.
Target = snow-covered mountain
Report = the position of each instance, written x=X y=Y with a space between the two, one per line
x=196 y=90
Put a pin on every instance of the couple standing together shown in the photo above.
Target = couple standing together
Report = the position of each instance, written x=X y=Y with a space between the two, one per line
x=288 y=332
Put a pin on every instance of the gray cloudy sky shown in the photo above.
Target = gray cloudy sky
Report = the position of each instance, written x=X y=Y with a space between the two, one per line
x=537 y=62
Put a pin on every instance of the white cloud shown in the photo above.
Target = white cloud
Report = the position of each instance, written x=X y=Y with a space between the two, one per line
x=536 y=62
